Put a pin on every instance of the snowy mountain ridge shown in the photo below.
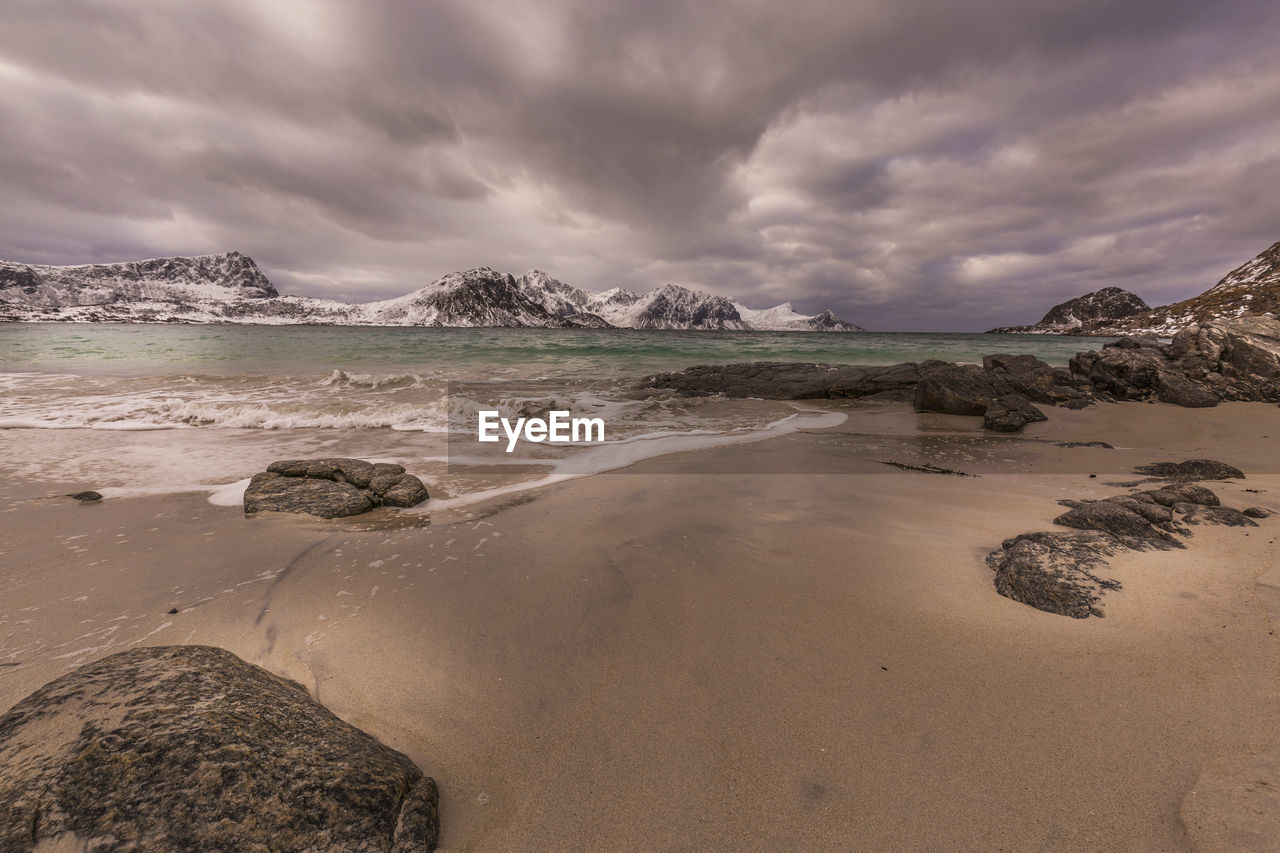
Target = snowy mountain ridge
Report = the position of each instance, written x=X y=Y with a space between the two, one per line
x=229 y=288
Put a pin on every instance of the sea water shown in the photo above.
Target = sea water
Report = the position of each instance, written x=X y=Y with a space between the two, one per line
x=144 y=408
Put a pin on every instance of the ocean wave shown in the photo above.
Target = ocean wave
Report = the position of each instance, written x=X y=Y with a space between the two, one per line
x=375 y=381
x=177 y=414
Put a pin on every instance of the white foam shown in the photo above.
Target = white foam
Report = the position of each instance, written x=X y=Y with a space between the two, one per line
x=231 y=494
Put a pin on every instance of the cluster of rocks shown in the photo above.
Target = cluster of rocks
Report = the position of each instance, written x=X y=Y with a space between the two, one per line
x=1228 y=360
x=1057 y=571
x=1236 y=359
x=191 y=748
x=332 y=488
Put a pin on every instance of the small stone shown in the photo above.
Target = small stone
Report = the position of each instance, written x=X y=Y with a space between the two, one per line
x=86 y=497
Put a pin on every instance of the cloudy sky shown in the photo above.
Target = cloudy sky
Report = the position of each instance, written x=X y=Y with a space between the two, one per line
x=913 y=165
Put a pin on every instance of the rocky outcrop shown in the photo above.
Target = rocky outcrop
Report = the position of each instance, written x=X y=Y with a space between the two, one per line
x=790 y=381
x=1084 y=314
x=1010 y=413
x=177 y=748
x=331 y=488
x=1237 y=359
x=1058 y=572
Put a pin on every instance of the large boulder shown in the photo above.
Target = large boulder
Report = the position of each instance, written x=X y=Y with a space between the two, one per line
x=322 y=498
x=1179 y=389
x=331 y=488
x=178 y=748
x=1011 y=413
x=955 y=389
x=1054 y=572
x=1037 y=381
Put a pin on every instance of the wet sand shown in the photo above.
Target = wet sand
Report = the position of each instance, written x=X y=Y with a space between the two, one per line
x=681 y=657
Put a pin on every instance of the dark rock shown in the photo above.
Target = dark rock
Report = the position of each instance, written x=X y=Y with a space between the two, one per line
x=1226 y=359
x=406 y=491
x=1181 y=493
x=322 y=498
x=1257 y=512
x=1101 y=444
x=787 y=381
x=86 y=497
x=954 y=389
x=357 y=472
x=878 y=382
x=332 y=488
x=1192 y=469
x=1129 y=527
x=1176 y=388
x=1011 y=413
x=1037 y=381
x=1150 y=510
x=1198 y=514
x=1125 y=369
x=190 y=748
x=1054 y=572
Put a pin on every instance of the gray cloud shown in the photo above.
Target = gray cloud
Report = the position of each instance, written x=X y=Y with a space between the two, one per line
x=914 y=165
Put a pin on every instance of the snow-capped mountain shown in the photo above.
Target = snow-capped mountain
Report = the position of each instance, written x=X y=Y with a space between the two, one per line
x=221 y=278
x=784 y=318
x=674 y=307
x=1080 y=316
x=479 y=297
x=231 y=289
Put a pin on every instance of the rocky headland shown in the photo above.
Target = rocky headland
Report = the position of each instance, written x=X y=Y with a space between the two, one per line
x=1080 y=316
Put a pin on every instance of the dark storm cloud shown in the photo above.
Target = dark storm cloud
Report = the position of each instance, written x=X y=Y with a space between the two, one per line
x=911 y=164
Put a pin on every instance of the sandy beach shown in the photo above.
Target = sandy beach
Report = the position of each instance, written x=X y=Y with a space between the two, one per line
x=678 y=657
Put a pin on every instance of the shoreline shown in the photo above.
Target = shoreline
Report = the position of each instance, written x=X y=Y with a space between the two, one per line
x=716 y=643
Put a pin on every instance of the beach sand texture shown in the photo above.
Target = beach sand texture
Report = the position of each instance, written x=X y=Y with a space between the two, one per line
x=679 y=657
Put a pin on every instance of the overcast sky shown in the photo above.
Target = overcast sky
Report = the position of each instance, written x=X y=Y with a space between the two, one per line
x=912 y=165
